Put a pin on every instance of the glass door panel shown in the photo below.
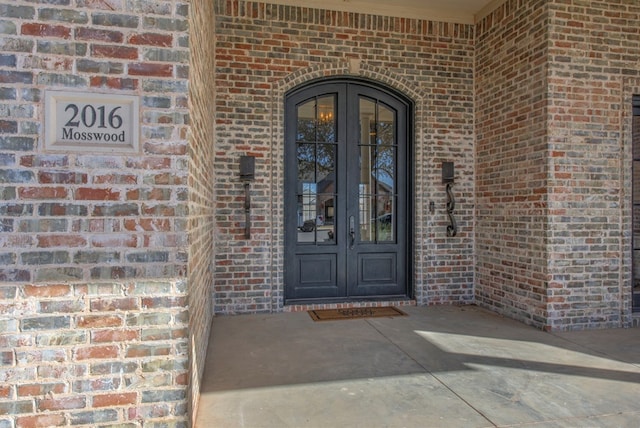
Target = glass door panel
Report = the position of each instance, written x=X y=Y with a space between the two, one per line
x=378 y=169
x=316 y=156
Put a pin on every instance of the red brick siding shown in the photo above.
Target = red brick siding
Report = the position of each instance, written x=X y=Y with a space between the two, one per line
x=553 y=213
x=202 y=94
x=591 y=54
x=262 y=51
x=93 y=254
x=511 y=161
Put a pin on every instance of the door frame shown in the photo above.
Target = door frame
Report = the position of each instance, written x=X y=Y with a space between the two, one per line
x=408 y=196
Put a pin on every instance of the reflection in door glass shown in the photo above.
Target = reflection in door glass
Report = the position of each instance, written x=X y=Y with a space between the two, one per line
x=378 y=152
x=316 y=152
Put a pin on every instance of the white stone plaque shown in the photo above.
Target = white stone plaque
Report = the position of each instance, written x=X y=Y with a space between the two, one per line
x=90 y=122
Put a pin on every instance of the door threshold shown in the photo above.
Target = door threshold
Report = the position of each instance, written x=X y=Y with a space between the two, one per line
x=309 y=306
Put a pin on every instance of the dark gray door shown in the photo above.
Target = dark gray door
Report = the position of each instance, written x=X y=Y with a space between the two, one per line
x=346 y=180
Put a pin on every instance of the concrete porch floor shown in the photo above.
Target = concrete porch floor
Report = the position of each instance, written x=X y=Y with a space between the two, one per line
x=438 y=367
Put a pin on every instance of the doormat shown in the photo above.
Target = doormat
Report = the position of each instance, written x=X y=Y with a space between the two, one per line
x=355 y=313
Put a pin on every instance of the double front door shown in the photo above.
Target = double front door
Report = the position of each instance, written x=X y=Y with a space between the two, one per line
x=346 y=179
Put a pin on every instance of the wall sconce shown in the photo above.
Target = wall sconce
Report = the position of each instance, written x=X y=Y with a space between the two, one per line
x=448 y=175
x=247 y=175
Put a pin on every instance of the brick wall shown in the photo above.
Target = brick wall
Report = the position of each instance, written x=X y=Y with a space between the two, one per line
x=511 y=161
x=554 y=84
x=93 y=320
x=589 y=189
x=201 y=180
x=263 y=51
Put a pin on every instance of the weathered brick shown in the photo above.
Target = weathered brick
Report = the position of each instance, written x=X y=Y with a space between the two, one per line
x=63 y=306
x=163 y=395
x=98 y=34
x=118 y=399
x=48 y=420
x=115 y=178
x=146 y=350
x=41 y=355
x=47 y=241
x=114 y=240
x=7 y=27
x=9 y=325
x=112 y=335
x=45 y=257
x=6 y=392
x=30 y=94
x=173 y=364
x=165 y=24
x=47 y=274
x=52 y=290
x=62 y=338
x=51 y=177
x=63 y=15
x=148 y=319
x=61 y=48
x=151 y=39
x=99 y=321
x=115 y=20
x=149 y=288
x=45 y=323
x=150 y=69
x=93 y=417
x=147 y=224
x=8 y=126
x=114 y=51
x=148 y=257
x=116 y=210
x=8 y=93
x=35 y=389
x=17 y=143
x=7 y=358
x=42 y=193
x=166 y=55
x=97 y=352
x=16 y=407
x=45 y=30
x=164 y=86
x=16 y=209
x=15 y=44
x=8 y=193
x=66 y=210
x=96 y=194
x=62 y=403
x=8 y=291
x=149 y=412
x=114 y=272
x=52 y=79
x=164 y=302
x=20 y=12
x=120 y=304
x=102 y=384
x=16 y=176
x=15 y=275
x=44 y=161
x=6 y=224
x=113 y=368
x=103 y=67
x=8 y=258
x=114 y=83
x=93 y=257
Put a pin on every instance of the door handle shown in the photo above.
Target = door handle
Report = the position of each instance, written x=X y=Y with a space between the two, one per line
x=352 y=232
